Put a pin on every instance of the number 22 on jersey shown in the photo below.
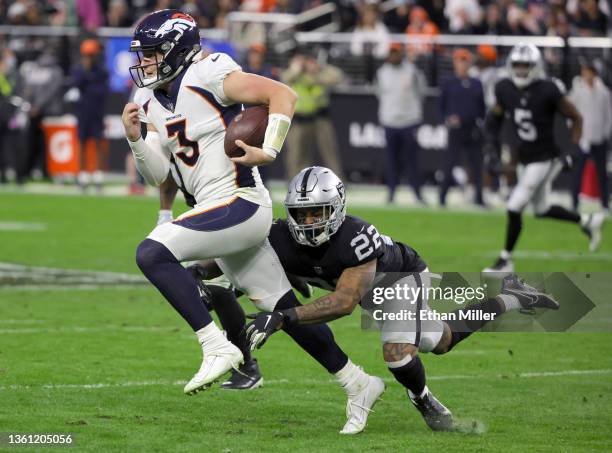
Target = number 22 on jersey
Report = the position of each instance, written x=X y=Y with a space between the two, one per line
x=178 y=128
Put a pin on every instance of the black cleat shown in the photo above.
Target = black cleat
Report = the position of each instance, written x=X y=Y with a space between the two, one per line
x=529 y=297
x=500 y=265
x=435 y=414
x=246 y=377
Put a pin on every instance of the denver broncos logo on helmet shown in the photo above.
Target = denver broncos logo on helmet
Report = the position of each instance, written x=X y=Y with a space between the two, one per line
x=179 y=22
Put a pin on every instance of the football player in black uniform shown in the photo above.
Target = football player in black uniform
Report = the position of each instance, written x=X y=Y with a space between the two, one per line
x=531 y=102
x=327 y=248
x=363 y=390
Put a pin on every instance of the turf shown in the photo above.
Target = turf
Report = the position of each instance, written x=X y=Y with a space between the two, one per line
x=107 y=363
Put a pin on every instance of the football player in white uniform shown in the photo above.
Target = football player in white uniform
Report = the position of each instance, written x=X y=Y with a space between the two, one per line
x=187 y=105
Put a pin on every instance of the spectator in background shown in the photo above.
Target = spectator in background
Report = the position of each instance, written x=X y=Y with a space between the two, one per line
x=420 y=25
x=589 y=19
x=89 y=14
x=6 y=112
x=118 y=14
x=255 y=62
x=397 y=19
x=493 y=23
x=311 y=122
x=462 y=107
x=42 y=84
x=463 y=15
x=370 y=37
x=91 y=79
x=487 y=71
x=400 y=88
x=593 y=100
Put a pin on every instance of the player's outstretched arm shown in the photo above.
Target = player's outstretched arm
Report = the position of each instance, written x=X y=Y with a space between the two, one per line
x=149 y=157
x=242 y=87
x=353 y=284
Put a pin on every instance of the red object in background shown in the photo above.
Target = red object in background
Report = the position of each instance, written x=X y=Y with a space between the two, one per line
x=62 y=145
x=63 y=148
x=590 y=185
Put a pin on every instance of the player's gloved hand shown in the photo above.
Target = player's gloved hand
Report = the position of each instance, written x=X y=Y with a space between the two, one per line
x=491 y=159
x=164 y=216
x=568 y=160
x=199 y=273
x=253 y=155
x=264 y=324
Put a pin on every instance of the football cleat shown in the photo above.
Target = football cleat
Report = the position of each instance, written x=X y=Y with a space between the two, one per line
x=216 y=363
x=501 y=265
x=246 y=377
x=592 y=228
x=529 y=297
x=435 y=414
x=360 y=404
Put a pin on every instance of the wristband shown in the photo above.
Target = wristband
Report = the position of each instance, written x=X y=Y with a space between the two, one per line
x=289 y=316
x=276 y=132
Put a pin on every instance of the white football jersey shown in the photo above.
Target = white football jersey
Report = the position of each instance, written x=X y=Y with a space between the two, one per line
x=191 y=120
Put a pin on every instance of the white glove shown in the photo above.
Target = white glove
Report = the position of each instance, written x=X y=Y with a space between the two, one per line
x=164 y=216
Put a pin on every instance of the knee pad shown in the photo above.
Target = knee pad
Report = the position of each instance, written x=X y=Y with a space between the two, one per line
x=150 y=252
x=430 y=339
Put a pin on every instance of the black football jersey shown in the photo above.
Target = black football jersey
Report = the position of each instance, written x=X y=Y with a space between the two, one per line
x=532 y=113
x=355 y=243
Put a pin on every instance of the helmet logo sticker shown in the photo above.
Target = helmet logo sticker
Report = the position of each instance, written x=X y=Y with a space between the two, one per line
x=179 y=24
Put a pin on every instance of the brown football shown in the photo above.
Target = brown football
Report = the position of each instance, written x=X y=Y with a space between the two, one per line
x=249 y=126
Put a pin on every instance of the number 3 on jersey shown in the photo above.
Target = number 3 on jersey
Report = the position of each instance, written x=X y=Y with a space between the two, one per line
x=178 y=128
x=362 y=243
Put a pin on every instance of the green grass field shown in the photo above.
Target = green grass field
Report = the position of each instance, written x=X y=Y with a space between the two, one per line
x=107 y=362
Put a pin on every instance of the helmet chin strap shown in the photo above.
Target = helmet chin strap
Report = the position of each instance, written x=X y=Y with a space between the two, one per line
x=178 y=70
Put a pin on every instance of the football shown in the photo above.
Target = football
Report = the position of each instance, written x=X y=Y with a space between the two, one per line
x=249 y=126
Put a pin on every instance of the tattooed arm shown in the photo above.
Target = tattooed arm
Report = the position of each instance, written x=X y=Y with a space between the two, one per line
x=353 y=284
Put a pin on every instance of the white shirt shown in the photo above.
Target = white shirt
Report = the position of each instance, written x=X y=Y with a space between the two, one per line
x=595 y=105
x=378 y=38
x=400 y=91
x=192 y=131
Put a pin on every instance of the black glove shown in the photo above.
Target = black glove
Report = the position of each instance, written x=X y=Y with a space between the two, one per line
x=491 y=159
x=263 y=325
x=568 y=160
x=199 y=274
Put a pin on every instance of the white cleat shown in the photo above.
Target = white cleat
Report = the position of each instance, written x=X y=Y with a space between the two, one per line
x=216 y=363
x=359 y=405
x=592 y=229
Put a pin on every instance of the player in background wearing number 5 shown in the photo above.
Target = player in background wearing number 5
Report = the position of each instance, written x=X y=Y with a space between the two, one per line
x=531 y=101
x=187 y=103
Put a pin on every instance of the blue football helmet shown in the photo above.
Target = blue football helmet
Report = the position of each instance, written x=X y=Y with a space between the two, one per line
x=171 y=33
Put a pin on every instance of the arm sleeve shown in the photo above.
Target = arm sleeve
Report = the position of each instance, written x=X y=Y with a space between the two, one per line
x=142 y=98
x=212 y=72
x=151 y=160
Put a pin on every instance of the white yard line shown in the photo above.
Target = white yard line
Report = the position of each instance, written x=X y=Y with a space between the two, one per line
x=21 y=321
x=562 y=256
x=165 y=383
x=22 y=226
x=87 y=329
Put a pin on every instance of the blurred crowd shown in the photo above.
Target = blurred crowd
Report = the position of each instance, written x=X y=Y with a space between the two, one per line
x=38 y=73
x=420 y=17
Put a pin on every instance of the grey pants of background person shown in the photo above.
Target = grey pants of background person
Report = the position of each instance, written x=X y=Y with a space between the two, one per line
x=304 y=134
